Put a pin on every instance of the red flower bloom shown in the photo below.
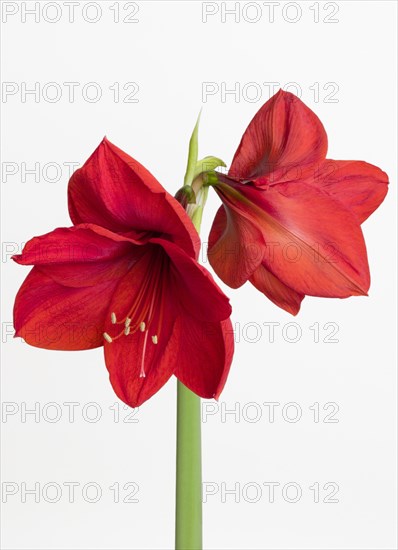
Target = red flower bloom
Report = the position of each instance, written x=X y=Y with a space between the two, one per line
x=290 y=220
x=126 y=277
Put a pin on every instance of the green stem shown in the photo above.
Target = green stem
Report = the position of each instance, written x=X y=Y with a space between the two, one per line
x=189 y=471
x=188 y=534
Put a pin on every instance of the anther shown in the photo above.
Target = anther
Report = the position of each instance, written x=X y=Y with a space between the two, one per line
x=113 y=318
x=155 y=339
x=127 y=322
x=142 y=326
x=107 y=337
x=127 y=331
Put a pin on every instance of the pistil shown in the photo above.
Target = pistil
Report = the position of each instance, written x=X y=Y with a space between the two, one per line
x=143 y=310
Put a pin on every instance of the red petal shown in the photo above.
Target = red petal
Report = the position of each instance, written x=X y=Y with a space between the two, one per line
x=236 y=247
x=51 y=316
x=205 y=355
x=360 y=186
x=84 y=255
x=283 y=133
x=283 y=296
x=126 y=355
x=313 y=244
x=115 y=191
x=195 y=287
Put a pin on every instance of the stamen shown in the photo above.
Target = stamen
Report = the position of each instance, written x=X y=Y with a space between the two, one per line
x=147 y=305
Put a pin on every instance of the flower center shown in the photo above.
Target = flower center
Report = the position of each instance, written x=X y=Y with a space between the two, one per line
x=145 y=314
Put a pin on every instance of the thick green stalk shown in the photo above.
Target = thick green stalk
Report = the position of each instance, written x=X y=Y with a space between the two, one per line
x=189 y=462
x=189 y=471
x=189 y=456
x=188 y=534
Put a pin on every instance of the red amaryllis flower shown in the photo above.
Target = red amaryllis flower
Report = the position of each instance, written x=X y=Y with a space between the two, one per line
x=126 y=277
x=290 y=220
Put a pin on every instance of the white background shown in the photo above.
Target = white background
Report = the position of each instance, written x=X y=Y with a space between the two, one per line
x=170 y=52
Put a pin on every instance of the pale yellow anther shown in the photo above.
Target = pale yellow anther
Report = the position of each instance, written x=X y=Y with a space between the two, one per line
x=127 y=331
x=113 y=318
x=155 y=339
x=127 y=322
x=107 y=337
x=142 y=326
